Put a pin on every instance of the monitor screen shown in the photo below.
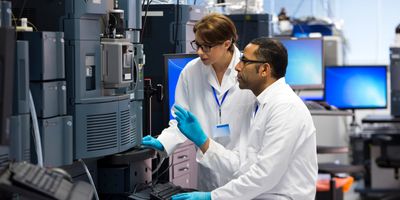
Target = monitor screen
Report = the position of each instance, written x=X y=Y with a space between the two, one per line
x=356 y=87
x=305 y=62
x=174 y=63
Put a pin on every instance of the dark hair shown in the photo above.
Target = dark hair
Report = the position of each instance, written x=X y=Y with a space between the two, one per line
x=215 y=29
x=274 y=53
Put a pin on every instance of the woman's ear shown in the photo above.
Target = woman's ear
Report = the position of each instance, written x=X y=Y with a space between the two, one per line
x=227 y=43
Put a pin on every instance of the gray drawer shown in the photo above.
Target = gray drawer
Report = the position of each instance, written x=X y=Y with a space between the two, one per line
x=181 y=156
x=183 y=181
x=181 y=169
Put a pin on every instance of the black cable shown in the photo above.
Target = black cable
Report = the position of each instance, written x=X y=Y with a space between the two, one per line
x=298 y=7
x=14 y=20
x=22 y=9
x=143 y=4
x=137 y=186
x=103 y=20
x=144 y=21
x=116 y=23
x=176 y=27
x=163 y=172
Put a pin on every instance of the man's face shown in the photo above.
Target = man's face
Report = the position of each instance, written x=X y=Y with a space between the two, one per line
x=248 y=75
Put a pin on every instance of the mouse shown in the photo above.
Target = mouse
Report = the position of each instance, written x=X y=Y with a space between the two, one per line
x=325 y=105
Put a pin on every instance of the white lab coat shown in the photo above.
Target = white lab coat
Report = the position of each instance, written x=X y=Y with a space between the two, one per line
x=278 y=159
x=194 y=92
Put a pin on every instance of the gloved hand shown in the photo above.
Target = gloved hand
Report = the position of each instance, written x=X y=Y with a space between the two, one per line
x=152 y=142
x=192 y=196
x=189 y=126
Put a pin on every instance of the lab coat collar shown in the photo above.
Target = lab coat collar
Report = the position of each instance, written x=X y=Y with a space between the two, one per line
x=270 y=90
x=229 y=79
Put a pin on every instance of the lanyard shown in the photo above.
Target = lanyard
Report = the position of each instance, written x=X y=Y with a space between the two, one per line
x=255 y=112
x=219 y=104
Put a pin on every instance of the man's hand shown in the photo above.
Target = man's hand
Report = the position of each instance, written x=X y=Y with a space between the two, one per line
x=189 y=126
x=192 y=196
x=153 y=143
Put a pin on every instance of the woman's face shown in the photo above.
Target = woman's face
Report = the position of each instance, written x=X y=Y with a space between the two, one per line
x=209 y=53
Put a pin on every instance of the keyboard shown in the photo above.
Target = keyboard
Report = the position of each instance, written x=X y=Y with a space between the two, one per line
x=164 y=191
x=160 y=191
x=312 y=105
x=42 y=183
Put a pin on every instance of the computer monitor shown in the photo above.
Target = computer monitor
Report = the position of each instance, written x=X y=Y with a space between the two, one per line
x=305 y=62
x=174 y=64
x=356 y=87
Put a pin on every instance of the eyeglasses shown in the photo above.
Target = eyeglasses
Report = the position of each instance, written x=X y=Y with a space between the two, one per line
x=247 y=61
x=205 y=48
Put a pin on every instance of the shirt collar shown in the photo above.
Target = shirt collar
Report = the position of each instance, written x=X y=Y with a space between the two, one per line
x=229 y=79
x=270 y=90
x=234 y=61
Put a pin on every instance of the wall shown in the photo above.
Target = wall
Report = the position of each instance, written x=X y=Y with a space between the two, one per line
x=368 y=25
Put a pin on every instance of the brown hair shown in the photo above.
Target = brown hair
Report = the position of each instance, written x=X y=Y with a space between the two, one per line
x=215 y=29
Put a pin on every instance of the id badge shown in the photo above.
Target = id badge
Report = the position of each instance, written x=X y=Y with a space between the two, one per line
x=221 y=130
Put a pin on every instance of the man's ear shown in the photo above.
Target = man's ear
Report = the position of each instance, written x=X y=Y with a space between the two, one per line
x=265 y=69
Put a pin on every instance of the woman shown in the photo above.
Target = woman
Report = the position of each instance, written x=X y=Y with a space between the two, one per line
x=207 y=87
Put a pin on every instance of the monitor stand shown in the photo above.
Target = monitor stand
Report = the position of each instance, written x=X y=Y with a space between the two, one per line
x=353 y=119
x=355 y=128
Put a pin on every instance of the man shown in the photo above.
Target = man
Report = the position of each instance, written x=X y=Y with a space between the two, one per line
x=277 y=156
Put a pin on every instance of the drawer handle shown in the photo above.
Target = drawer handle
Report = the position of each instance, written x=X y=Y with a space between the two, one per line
x=182 y=157
x=183 y=169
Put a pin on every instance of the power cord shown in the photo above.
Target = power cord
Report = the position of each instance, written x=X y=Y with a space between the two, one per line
x=36 y=136
x=163 y=172
x=159 y=164
x=90 y=178
x=140 y=186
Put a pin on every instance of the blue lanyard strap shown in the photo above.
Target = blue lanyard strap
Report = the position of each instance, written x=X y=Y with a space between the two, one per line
x=216 y=98
x=219 y=104
x=255 y=112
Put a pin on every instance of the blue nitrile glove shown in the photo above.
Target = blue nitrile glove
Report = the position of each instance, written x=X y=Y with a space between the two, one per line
x=189 y=126
x=192 y=196
x=152 y=142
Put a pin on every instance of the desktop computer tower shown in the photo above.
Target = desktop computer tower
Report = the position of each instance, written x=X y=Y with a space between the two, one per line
x=251 y=26
x=20 y=120
x=395 y=81
x=168 y=29
x=333 y=51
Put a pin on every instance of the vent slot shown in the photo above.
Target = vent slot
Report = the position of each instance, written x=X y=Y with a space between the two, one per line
x=133 y=130
x=126 y=137
x=101 y=131
x=4 y=161
x=27 y=154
